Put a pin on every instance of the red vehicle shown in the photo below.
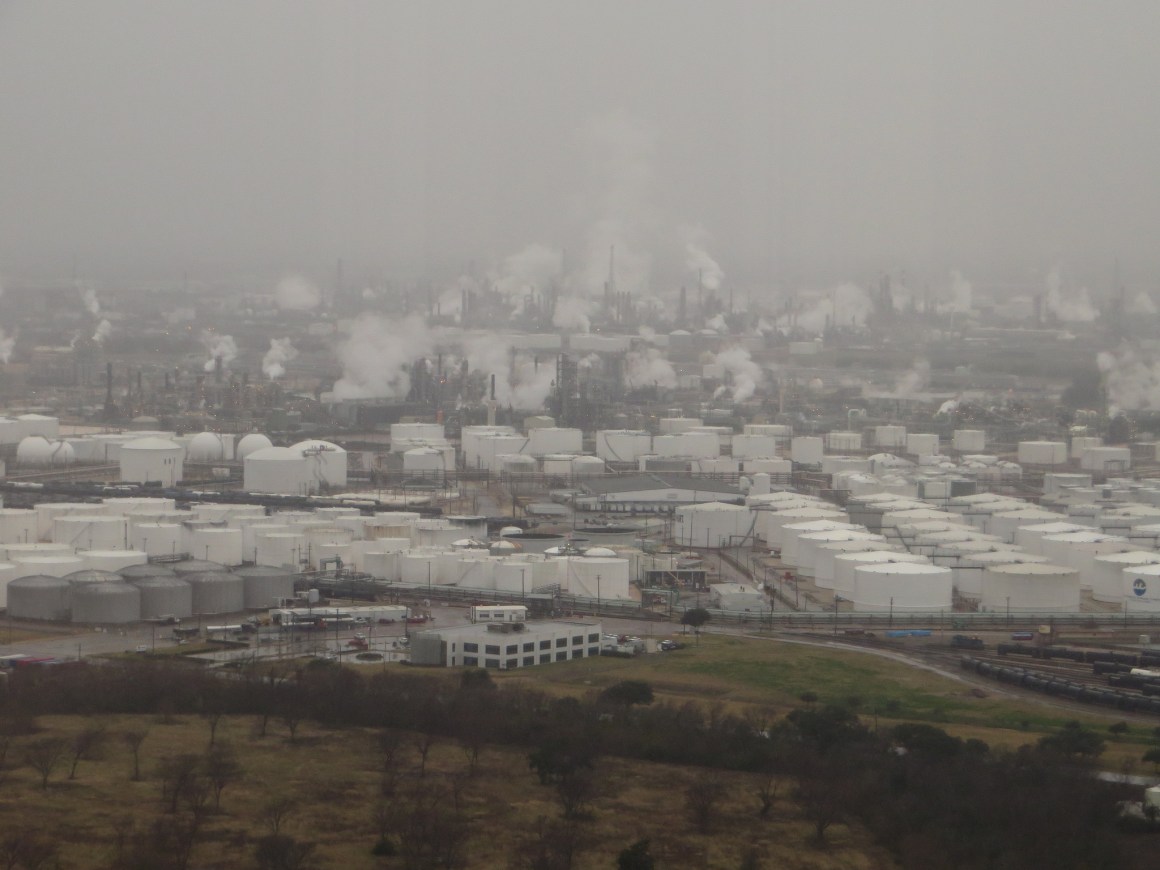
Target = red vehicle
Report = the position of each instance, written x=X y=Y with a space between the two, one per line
x=416 y=620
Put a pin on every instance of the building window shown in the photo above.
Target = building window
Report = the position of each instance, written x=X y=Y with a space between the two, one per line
x=561 y=641
x=592 y=638
x=577 y=640
x=593 y=650
x=562 y=656
x=492 y=649
x=529 y=661
x=491 y=663
x=453 y=647
x=577 y=653
x=471 y=647
x=545 y=644
x=545 y=658
x=512 y=648
x=511 y=664
x=530 y=647
x=470 y=661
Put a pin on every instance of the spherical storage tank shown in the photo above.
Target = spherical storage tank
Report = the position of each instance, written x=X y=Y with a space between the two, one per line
x=1030 y=588
x=251 y=444
x=152 y=460
x=37 y=451
x=164 y=596
x=265 y=586
x=206 y=447
x=905 y=586
x=327 y=462
x=217 y=592
x=40 y=597
x=1107 y=572
x=106 y=603
x=19 y=526
x=278 y=470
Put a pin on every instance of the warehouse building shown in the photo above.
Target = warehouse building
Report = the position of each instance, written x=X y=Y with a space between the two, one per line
x=506 y=646
x=649 y=493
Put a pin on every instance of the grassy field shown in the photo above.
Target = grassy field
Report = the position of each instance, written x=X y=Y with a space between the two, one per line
x=332 y=776
x=741 y=672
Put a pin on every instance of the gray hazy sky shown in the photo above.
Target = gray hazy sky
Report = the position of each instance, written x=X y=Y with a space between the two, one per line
x=791 y=139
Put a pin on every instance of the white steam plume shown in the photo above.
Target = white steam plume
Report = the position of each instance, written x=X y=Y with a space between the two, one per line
x=745 y=374
x=104 y=328
x=519 y=382
x=846 y=306
x=647 y=368
x=962 y=295
x=1142 y=303
x=914 y=380
x=89 y=298
x=717 y=323
x=1132 y=379
x=376 y=355
x=531 y=270
x=1071 y=308
x=274 y=362
x=699 y=262
x=7 y=344
x=572 y=314
x=297 y=293
x=217 y=345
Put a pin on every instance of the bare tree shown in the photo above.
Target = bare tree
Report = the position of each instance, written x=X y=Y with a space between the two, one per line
x=424 y=744
x=27 y=849
x=213 y=717
x=768 y=786
x=43 y=756
x=221 y=767
x=472 y=743
x=179 y=779
x=134 y=739
x=576 y=792
x=703 y=800
x=291 y=717
x=85 y=746
x=275 y=812
x=279 y=852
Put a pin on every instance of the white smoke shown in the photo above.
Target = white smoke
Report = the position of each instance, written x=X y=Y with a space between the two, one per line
x=531 y=270
x=914 y=380
x=948 y=407
x=274 y=362
x=846 y=306
x=1142 y=303
x=217 y=345
x=1071 y=308
x=648 y=368
x=519 y=381
x=717 y=323
x=962 y=295
x=376 y=356
x=297 y=293
x=698 y=261
x=89 y=298
x=1132 y=379
x=572 y=314
x=745 y=374
x=7 y=345
x=104 y=328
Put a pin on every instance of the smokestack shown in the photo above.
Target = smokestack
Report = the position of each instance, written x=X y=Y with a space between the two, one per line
x=491 y=395
x=681 y=308
x=217 y=369
x=109 y=387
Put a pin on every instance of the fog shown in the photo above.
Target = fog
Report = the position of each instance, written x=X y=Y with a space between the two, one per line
x=760 y=144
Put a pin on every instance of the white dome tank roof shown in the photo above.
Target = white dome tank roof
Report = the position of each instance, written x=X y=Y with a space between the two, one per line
x=206 y=447
x=151 y=443
x=38 y=450
x=251 y=443
x=316 y=444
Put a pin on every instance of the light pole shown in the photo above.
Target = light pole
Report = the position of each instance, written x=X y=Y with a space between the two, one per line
x=891 y=622
x=597 y=594
x=1008 y=611
x=837 y=598
x=523 y=586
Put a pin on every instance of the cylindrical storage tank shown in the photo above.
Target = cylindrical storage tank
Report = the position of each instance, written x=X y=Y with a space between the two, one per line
x=558 y=464
x=194 y=566
x=545 y=440
x=389 y=545
x=227 y=513
x=136 y=505
x=1078 y=550
x=921 y=444
x=1030 y=538
x=593 y=577
x=8 y=573
x=112 y=603
x=221 y=545
x=791 y=532
x=424 y=462
x=536 y=542
x=890 y=437
x=769 y=524
x=1041 y=453
x=251 y=533
x=217 y=592
x=677 y=425
x=1106 y=460
x=754 y=447
x=587 y=466
x=826 y=553
x=622 y=445
x=810 y=544
x=12 y=552
x=969 y=440
x=840 y=442
x=437 y=533
x=1107 y=573
x=902 y=586
x=278 y=470
x=417 y=432
x=475 y=573
x=164 y=596
x=157 y=539
x=1080 y=443
x=1030 y=588
x=264 y=586
x=149 y=569
x=513 y=575
x=40 y=597
x=382 y=565
x=516 y=463
x=19 y=526
x=845 y=563
x=50 y=510
x=1006 y=524
x=152 y=460
x=329 y=535
x=768 y=466
x=111 y=560
x=280 y=549
x=336 y=511
x=251 y=444
x=327 y=551
x=419 y=568
x=1141 y=589
x=88 y=532
x=54 y=565
x=967 y=566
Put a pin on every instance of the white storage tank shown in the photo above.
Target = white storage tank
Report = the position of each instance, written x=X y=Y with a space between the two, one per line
x=691 y=445
x=1079 y=549
x=593 y=577
x=278 y=470
x=164 y=596
x=514 y=575
x=111 y=560
x=152 y=460
x=846 y=563
x=622 y=445
x=327 y=462
x=902 y=586
x=516 y=463
x=969 y=440
x=437 y=533
x=35 y=451
x=806 y=450
x=1030 y=588
x=53 y=565
x=264 y=586
x=217 y=544
x=1030 y=537
x=587 y=466
x=712 y=525
x=545 y=440
x=280 y=549
x=890 y=437
x=1107 y=573
x=922 y=444
x=558 y=464
x=1042 y=453
x=1006 y=524
x=767 y=466
x=208 y=447
x=967 y=567
x=1106 y=460
x=48 y=511
x=826 y=553
x=754 y=446
x=217 y=592
x=677 y=425
x=250 y=444
x=1141 y=589
x=8 y=573
x=40 y=597
x=187 y=567
x=769 y=524
x=790 y=533
x=841 y=442
x=10 y=552
x=810 y=544
x=19 y=526
x=157 y=539
x=250 y=533
x=382 y=565
x=111 y=603
x=417 y=568
x=417 y=432
x=846 y=464
x=424 y=462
